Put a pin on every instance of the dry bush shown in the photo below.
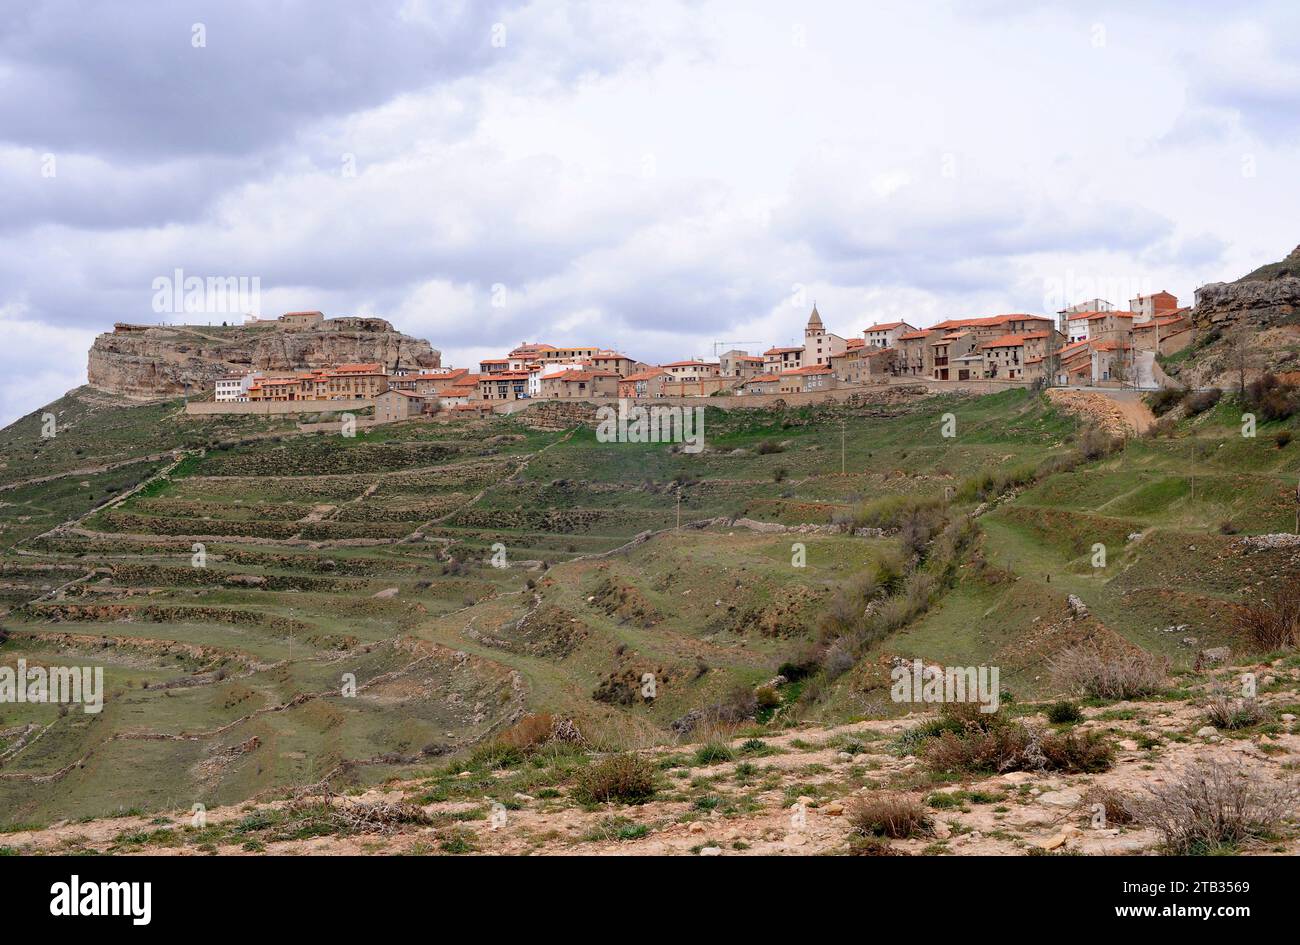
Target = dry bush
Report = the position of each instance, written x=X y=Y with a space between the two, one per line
x=1213 y=805
x=529 y=732
x=1117 y=806
x=999 y=748
x=1088 y=671
x=625 y=779
x=1074 y=753
x=989 y=742
x=1094 y=443
x=888 y=815
x=1225 y=712
x=1273 y=623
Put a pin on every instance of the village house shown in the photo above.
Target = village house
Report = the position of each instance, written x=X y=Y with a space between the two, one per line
x=692 y=371
x=776 y=360
x=849 y=366
x=739 y=364
x=233 y=388
x=394 y=405
x=949 y=348
x=620 y=364
x=574 y=384
x=1167 y=335
x=645 y=384
x=351 y=380
x=547 y=354
x=810 y=377
x=1149 y=306
x=912 y=347
x=1003 y=357
x=886 y=334
x=505 y=385
x=878 y=362
x=1091 y=305
x=759 y=384
x=301 y=319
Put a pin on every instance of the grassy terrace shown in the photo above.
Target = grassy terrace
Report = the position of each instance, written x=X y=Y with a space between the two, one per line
x=330 y=559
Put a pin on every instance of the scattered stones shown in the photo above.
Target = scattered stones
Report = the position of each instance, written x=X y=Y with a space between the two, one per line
x=1077 y=607
x=1060 y=798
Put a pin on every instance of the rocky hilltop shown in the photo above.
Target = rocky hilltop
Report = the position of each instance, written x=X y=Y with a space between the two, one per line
x=1265 y=298
x=144 y=362
x=1266 y=303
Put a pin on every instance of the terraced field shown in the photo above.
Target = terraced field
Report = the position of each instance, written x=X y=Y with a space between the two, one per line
x=274 y=608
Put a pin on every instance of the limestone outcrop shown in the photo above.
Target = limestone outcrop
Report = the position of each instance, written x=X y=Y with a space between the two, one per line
x=139 y=362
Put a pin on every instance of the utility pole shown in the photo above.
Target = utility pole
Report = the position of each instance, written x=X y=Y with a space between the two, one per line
x=679 y=508
x=841 y=446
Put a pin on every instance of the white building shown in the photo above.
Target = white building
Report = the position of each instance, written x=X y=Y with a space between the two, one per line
x=233 y=388
x=885 y=334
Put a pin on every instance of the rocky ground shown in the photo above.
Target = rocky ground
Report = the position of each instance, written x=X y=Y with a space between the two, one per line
x=763 y=791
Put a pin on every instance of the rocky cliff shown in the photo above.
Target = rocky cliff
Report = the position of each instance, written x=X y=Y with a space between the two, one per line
x=140 y=362
x=1266 y=304
x=1266 y=298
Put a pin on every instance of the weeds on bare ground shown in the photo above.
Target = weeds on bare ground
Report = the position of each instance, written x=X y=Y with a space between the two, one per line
x=623 y=779
x=1273 y=622
x=1226 y=713
x=1209 y=807
x=966 y=742
x=888 y=815
x=1087 y=670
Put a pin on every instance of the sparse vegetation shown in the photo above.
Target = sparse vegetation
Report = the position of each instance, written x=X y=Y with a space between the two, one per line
x=622 y=779
x=1088 y=670
x=1211 y=806
x=888 y=815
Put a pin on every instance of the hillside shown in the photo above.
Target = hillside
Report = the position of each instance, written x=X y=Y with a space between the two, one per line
x=148 y=362
x=1252 y=323
x=328 y=559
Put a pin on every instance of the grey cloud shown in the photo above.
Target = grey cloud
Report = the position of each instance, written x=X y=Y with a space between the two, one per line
x=125 y=79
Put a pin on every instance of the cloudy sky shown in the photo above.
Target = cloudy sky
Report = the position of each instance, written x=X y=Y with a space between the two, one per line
x=652 y=176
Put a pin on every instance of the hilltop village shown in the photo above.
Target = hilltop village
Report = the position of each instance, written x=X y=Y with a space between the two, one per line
x=1088 y=344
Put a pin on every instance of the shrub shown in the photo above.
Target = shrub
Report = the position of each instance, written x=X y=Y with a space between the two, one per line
x=1224 y=712
x=1001 y=748
x=714 y=753
x=970 y=741
x=1164 y=400
x=888 y=815
x=1272 y=399
x=1076 y=754
x=622 y=778
x=1200 y=401
x=1063 y=713
x=1282 y=439
x=1213 y=805
x=1116 y=807
x=892 y=511
x=1274 y=622
x=767 y=697
x=768 y=447
x=779 y=474
x=1087 y=670
x=529 y=732
x=1095 y=443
